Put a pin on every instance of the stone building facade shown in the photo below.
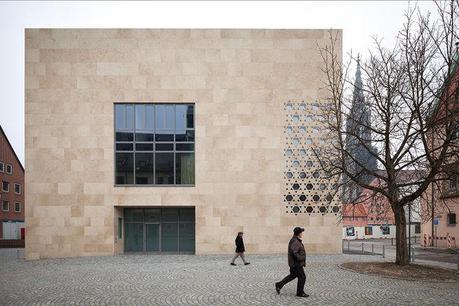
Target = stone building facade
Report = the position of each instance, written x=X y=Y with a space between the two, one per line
x=242 y=103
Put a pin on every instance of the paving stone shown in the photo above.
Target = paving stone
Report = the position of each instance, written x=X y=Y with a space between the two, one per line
x=203 y=280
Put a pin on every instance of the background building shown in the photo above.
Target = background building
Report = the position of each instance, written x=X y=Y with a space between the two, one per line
x=11 y=191
x=441 y=203
x=371 y=216
x=174 y=140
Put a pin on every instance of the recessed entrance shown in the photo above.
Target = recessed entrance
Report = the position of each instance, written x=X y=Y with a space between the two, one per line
x=160 y=230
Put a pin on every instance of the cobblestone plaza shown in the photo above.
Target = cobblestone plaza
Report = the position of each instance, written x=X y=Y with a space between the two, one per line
x=203 y=280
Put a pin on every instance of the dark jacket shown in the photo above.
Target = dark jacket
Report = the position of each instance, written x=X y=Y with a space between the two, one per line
x=296 y=253
x=239 y=244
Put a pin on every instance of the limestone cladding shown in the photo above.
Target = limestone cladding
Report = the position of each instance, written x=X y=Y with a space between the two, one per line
x=239 y=81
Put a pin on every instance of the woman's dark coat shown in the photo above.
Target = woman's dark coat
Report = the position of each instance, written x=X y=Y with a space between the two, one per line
x=239 y=244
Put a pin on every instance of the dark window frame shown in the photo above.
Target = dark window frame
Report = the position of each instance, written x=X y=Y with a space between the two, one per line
x=154 y=142
x=7 y=185
x=16 y=185
x=450 y=220
x=9 y=166
x=7 y=204
x=2 y=167
x=17 y=204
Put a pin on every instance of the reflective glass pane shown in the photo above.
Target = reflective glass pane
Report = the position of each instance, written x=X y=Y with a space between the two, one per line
x=133 y=237
x=124 y=168
x=170 y=215
x=124 y=147
x=144 y=147
x=184 y=135
x=152 y=238
x=150 y=113
x=144 y=136
x=186 y=214
x=164 y=136
x=164 y=168
x=123 y=136
x=140 y=116
x=164 y=147
x=133 y=215
x=169 y=237
x=164 y=117
x=144 y=168
x=120 y=116
x=130 y=117
x=184 y=117
x=152 y=215
x=184 y=147
x=184 y=168
x=186 y=237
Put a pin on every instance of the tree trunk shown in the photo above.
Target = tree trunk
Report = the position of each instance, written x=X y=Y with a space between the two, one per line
x=401 y=255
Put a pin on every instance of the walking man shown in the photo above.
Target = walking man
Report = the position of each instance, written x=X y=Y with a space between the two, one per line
x=296 y=262
x=239 y=249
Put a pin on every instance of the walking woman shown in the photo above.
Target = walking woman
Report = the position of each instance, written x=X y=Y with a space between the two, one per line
x=239 y=249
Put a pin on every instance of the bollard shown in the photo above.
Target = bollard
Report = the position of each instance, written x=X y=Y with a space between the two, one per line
x=362 y=248
x=384 y=252
x=372 y=249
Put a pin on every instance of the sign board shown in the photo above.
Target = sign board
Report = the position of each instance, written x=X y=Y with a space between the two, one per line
x=436 y=221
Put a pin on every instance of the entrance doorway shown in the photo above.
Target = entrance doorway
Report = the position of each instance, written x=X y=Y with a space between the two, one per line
x=159 y=230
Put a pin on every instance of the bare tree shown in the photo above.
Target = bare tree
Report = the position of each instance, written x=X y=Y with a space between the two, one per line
x=403 y=88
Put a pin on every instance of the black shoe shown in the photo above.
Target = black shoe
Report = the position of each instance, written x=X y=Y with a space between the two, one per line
x=303 y=295
x=233 y=264
x=246 y=263
x=277 y=288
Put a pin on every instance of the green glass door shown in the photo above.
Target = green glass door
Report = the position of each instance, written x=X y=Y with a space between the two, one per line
x=152 y=241
x=162 y=230
x=133 y=237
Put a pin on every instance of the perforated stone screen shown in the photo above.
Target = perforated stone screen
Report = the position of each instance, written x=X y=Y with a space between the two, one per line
x=306 y=190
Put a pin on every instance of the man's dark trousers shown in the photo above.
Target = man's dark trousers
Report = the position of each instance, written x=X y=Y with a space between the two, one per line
x=295 y=271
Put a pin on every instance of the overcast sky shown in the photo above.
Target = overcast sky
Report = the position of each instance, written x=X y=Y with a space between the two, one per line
x=359 y=20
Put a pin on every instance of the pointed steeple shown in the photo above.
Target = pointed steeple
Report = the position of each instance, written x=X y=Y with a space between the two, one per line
x=357 y=131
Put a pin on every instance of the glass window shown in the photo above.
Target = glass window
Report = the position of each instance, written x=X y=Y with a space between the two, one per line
x=145 y=128
x=368 y=230
x=184 y=135
x=9 y=169
x=6 y=206
x=184 y=168
x=184 y=147
x=133 y=237
x=164 y=117
x=145 y=137
x=186 y=237
x=187 y=215
x=5 y=186
x=17 y=207
x=184 y=117
x=170 y=215
x=152 y=215
x=17 y=188
x=140 y=117
x=164 y=168
x=169 y=237
x=144 y=168
x=1 y=167
x=133 y=215
x=124 y=168
x=451 y=219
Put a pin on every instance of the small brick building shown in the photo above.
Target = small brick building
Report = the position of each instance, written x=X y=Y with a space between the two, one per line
x=11 y=191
